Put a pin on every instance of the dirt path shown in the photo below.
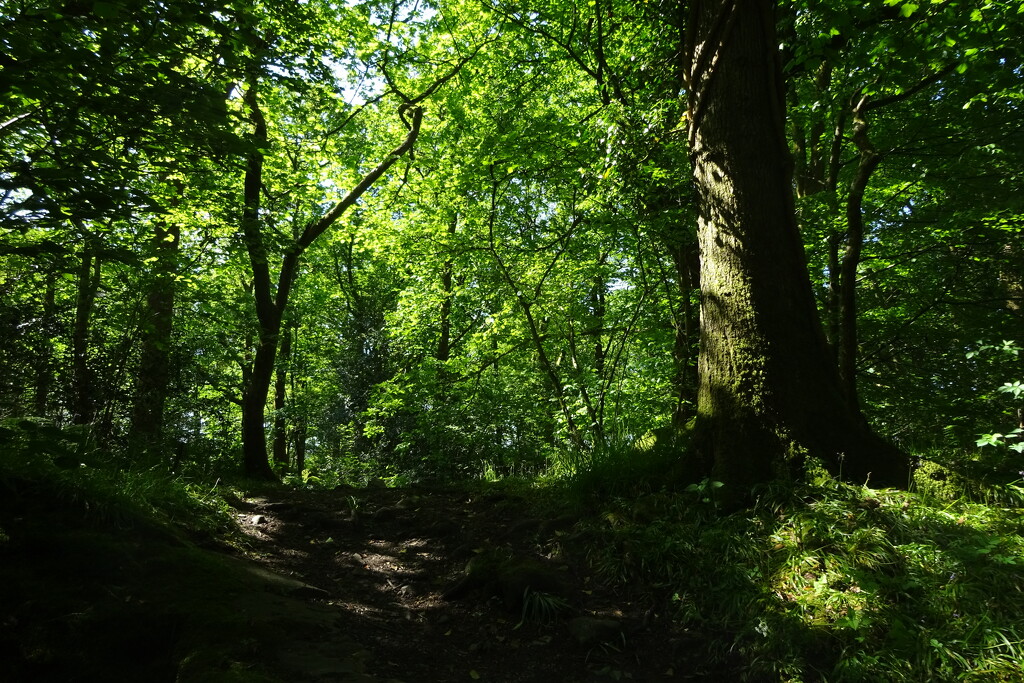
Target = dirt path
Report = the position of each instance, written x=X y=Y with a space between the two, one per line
x=382 y=558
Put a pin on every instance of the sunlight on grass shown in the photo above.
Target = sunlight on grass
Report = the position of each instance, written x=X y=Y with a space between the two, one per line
x=836 y=581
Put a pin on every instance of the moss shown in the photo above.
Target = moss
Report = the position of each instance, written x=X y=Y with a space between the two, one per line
x=935 y=481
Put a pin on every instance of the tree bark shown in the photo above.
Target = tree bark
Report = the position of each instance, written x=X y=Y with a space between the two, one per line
x=847 y=346
x=685 y=324
x=444 y=342
x=769 y=393
x=158 y=324
x=280 y=448
x=44 y=363
x=82 y=377
x=257 y=381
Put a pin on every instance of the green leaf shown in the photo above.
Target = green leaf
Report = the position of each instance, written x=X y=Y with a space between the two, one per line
x=106 y=10
x=908 y=9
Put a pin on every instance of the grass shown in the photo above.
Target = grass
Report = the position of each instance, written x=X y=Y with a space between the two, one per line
x=44 y=469
x=828 y=581
x=819 y=581
x=100 y=578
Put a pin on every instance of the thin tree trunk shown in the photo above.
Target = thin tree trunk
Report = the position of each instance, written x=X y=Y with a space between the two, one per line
x=847 y=347
x=599 y=309
x=300 y=428
x=280 y=401
x=843 y=273
x=157 y=325
x=557 y=387
x=593 y=414
x=84 y=410
x=536 y=336
x=833 y=328
x=684 y=380
x=44 y=364
x=1011 y=277
x=299 y=436
x=444 y=342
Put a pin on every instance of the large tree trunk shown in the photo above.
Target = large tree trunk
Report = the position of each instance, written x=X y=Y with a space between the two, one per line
x=769 y=392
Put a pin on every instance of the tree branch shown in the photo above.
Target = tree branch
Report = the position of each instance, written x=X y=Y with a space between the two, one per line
x=317 y=228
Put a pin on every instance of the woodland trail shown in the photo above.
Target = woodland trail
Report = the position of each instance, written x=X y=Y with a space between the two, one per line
x=381 y=559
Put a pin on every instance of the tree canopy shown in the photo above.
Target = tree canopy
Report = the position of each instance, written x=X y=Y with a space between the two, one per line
x=440 y=239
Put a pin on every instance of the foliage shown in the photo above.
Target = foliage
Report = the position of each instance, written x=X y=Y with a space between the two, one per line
x=831 y=581
x=58 y=471
x=516 y=295
x=623 y=469
x=541 y=607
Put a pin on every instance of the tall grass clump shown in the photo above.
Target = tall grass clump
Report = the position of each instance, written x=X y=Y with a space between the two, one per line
x=619 y=468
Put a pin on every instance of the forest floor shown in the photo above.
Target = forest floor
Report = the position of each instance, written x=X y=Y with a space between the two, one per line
x=381 y=560
x=350 y=585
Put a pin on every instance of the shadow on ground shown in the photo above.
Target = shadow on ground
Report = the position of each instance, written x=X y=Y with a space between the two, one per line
x=344 y=585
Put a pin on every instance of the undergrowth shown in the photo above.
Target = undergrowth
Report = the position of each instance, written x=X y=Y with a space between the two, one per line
x=617 y=469
x=44 y=468
x=829 y=581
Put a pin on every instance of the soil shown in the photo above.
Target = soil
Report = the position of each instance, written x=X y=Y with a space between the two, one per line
x=329 y=586
x=381 y=560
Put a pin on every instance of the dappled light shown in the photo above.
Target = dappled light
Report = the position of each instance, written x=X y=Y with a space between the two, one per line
x=431 y=340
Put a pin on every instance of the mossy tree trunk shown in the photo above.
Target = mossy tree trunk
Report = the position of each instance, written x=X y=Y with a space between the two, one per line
x=154 y=370
x=769 y=392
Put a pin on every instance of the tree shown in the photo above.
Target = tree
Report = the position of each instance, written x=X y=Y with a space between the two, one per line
x=314 y=217
x=769 y=394
x=108 y=112
x=272 y=301
x=525 y=282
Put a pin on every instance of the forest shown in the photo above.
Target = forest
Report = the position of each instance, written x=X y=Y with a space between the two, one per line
x=444 y=340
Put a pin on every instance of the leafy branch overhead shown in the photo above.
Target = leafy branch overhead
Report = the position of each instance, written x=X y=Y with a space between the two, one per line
x=461 y=224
